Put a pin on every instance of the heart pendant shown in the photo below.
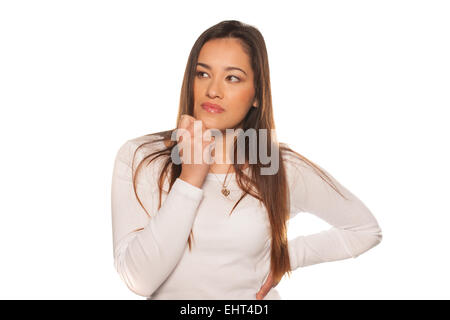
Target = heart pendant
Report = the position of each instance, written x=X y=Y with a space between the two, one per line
x=225 y=192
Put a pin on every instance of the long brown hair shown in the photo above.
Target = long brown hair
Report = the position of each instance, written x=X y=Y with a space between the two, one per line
x=271 y=190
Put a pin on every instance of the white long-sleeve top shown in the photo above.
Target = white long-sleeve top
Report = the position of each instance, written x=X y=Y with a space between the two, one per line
x=230 y=257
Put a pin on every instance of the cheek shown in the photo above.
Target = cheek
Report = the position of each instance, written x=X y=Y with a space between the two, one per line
x=197 y=94
x=196 y=88
x=242 y=99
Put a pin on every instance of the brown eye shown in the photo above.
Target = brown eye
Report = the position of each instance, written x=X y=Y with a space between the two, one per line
x=199 y=73
x=234 y=77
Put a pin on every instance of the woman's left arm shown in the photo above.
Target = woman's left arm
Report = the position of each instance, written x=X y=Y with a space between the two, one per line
x=354 y=228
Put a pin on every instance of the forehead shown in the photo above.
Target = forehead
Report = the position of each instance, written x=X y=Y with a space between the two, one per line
x=220 y=53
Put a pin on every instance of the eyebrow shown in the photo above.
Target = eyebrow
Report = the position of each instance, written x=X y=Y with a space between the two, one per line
x=226 y=69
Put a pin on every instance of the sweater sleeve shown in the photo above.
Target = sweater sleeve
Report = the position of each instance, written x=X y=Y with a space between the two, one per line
x=354 y=229
x=147 y=247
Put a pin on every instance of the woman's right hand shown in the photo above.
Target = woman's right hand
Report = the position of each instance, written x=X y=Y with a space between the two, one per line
x=194 y=172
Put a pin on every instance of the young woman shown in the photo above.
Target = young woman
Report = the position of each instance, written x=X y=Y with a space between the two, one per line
x=217 y=229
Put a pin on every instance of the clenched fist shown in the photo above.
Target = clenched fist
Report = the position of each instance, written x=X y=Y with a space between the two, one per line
x=195 y=145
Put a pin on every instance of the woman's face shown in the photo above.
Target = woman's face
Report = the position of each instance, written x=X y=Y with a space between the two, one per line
x=223 y=77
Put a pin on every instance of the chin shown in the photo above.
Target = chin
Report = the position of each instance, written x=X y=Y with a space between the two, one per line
x=212 y=121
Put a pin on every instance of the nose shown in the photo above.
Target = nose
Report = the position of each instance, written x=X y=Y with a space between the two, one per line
x=214 y=89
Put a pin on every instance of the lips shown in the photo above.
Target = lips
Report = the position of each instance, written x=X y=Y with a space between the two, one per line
x=211 y=107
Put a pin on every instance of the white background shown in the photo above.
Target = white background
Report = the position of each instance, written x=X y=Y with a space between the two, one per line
x=359 y=87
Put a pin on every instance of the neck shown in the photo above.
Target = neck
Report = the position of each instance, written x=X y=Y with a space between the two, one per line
x=223 y=162
x=224 y=145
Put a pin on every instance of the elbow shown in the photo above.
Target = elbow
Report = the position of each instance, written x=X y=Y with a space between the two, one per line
x=135 y=274
x=368 y=241
x=377 y=236
x=135 y=280
x=139 y=289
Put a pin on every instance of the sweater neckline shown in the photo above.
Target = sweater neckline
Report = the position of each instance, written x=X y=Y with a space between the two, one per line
x=231 y=175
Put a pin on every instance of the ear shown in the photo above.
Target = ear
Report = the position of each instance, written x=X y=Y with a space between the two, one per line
x=255 y=103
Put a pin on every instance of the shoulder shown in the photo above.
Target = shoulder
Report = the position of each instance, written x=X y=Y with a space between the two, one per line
x=301 y=171
x=293 y=160
x=135 y=149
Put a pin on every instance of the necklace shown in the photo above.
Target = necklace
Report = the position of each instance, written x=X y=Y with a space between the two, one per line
x=225 y=190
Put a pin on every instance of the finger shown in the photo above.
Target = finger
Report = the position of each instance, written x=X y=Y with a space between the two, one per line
x=260 y=295
x=184 y=122
x=207 y=135
x=183 y=126
x=180 y=121
x=265 y=288
x=180 y=133
x=263 y=292
x=188 y=116
x=199 y=131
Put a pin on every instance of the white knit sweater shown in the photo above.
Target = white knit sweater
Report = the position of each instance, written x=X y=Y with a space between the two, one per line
x=230 y=257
